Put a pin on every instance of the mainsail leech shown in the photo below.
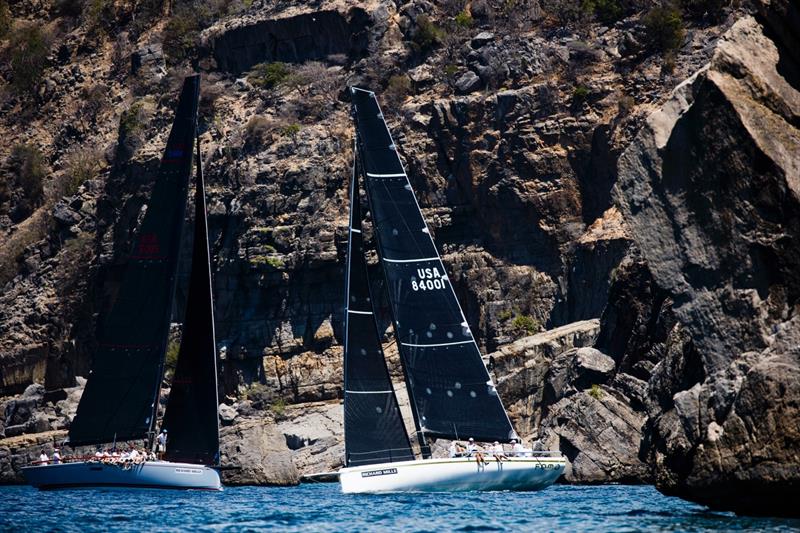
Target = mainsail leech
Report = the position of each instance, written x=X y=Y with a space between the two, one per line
x=374 y=430
x=120 y=398
x=449 y=383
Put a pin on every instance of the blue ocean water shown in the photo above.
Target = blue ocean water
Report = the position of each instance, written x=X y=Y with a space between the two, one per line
x=322 y=507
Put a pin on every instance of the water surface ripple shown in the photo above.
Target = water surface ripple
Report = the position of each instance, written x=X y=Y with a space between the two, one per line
x=323 y=508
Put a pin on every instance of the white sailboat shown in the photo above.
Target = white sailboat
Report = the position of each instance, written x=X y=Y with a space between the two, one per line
x=449 y=387
x=120 y=402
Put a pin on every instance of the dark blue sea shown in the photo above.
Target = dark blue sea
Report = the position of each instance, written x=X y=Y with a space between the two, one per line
x=323 y=508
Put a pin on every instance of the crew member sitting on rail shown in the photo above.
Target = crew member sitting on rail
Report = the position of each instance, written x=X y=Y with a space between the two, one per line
x=498 y=452
x=43 y=459
x=474 y=451
x=456 y=449
x=516 y=448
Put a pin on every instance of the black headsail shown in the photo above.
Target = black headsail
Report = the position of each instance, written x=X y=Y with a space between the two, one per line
x=373 y=427
x=450 y=387
x=191 y=416
x=119 y=402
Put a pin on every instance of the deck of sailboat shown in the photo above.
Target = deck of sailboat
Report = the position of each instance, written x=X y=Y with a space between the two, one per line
x=454 y=474
x=150 y=474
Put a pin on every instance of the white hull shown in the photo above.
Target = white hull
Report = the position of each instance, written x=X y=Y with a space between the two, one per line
x=459 y=474
x=157 y=474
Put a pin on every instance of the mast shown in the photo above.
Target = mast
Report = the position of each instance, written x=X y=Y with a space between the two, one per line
x=191 y=416
x=447 y=379
x=373 y=427
x=120 y=400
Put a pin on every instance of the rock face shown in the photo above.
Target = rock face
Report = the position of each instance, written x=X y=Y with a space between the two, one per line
x=258 y=451
x=314 y=35
x=710 y=189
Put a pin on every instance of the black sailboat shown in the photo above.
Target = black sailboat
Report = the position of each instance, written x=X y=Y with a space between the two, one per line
x=120 y=401
x=451 y=393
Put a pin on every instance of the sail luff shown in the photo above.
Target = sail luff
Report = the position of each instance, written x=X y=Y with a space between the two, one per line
x=451 y=386
x=374 y=429
x=191 y=415
x=121 y=395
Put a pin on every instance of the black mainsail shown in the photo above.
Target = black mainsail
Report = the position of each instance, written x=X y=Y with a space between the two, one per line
x=191 y=416
x=121 y=395
x=373 y=427
x=451 y=390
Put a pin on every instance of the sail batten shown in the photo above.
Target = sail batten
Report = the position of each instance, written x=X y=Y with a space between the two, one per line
x=120 y=398
x=449 y=385
x=373 y=427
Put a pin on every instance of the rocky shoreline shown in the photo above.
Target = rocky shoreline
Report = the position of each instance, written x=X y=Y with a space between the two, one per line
x=620 y=224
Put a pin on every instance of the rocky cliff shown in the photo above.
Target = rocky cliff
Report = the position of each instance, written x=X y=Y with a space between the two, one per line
x=710 y=190
x=619 y=161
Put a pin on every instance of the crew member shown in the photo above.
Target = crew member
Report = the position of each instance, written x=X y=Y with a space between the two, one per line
x=56 y=457
x=516 y=448
x=456 y=449
x=162 y=444
x=43 y=459
x=474 y=450
x=498 y=452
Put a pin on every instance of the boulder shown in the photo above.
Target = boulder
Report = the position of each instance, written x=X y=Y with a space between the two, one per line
x=600 y=434
x=483 y=38
x=258 y=450
x=468 y=83
x=227 y=414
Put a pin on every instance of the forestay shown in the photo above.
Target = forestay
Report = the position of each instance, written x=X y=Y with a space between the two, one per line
x=451 y=389
x=191 y=417
x=373 y=427
x=119 y=400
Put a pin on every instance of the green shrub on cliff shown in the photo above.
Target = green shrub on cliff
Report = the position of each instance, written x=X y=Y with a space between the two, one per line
x=269 y=75
x=171 y=356
x=664 y=29
x=29 y=47
x=606 y=11
x=526 y=324
x=505 y=314
x=182 y=32
x=464 y=19
x=428 y=34
x=28 y=164
x=82 y=165
x=596 y=392
x=5 y=19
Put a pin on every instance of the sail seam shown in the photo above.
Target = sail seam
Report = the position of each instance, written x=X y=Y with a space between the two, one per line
x=359 y=312
x=369 y=391
x=371 y=175
x=410 y=260
x=434 y=345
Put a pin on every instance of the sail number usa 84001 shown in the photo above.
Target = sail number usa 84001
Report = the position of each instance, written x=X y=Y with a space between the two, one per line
x=428 y=279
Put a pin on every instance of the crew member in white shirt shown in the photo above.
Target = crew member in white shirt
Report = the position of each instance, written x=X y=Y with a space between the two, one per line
x=516 y=448
x=43 y=459
x=474 y=451
x=498 y=452
x=456 y=449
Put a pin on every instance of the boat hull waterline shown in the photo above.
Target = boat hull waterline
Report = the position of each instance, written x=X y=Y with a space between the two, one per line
x=458 y=474
x=157 y=474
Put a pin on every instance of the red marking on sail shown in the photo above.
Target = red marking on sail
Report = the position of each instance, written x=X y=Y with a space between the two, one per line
x=149 y=247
